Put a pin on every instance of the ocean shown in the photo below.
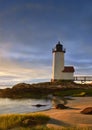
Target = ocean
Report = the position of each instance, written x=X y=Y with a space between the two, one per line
x=22 y=105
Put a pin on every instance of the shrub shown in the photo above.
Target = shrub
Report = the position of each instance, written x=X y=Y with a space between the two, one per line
x=19 y=120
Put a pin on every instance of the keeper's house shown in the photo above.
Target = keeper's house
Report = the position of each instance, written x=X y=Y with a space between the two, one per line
x=59 y=71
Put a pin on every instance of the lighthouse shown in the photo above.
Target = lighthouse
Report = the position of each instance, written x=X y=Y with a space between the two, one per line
x=59 y=70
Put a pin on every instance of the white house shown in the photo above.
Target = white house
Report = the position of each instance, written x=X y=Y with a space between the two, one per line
x=59 y=71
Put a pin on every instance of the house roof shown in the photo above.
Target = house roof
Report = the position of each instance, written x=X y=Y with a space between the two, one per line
x=68 y=69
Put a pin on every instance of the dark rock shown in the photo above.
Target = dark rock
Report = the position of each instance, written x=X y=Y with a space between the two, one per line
x=28 y=122
x=61 y=106
x=38 y=105
x=87 y=110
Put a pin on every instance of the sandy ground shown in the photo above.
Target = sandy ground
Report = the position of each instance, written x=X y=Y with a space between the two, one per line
x=71 y=117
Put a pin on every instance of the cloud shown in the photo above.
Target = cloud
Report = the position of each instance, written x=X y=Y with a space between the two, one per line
x=15 y=72
x=22 y=65
x=29 y=31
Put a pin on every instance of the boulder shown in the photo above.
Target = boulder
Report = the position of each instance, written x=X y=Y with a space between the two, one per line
x=28 y=122
x=61 y=106
x=39 y=105
x=87 y=110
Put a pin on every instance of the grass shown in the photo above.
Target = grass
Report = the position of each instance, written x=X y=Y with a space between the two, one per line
x=46 y=128
x=29 y=122
x=79 y=92
x=22 y=121
x=74 y=128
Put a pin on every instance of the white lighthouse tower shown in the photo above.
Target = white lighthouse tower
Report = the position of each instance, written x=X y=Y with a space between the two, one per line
x=59 y=71
x=58 y=62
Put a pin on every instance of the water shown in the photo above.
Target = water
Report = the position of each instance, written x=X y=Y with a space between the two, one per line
x=22 y=105
x=5 y=86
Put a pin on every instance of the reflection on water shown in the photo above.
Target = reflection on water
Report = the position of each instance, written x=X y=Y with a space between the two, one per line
x=5 y=86
x=22 y=105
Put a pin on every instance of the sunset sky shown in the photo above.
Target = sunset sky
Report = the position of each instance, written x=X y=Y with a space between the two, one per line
x=29 y=29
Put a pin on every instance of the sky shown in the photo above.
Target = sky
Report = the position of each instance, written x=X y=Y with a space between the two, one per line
x=29 y=29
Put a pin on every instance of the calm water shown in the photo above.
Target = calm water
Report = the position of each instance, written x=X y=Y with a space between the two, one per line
x=22 y=105
x=5 y=86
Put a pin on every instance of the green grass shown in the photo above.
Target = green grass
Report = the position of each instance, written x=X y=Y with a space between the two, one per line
x=74 y=92
x=22 y=121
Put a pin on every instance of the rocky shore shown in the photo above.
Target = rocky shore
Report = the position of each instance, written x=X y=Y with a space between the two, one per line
x=41 y=90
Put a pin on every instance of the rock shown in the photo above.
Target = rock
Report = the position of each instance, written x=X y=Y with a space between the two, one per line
x=38 y=105
x=61 y=106
x=87 y=110
x=28 y=122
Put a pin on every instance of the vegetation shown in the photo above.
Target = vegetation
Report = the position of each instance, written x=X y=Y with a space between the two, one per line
x=28 y=122
x=22 y=121
x=41 y=90
x=46 y=128
x=70 y=128
x=78 y=92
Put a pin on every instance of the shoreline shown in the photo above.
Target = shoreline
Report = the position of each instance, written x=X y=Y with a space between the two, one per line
x=42 y=90
x=66 y=118
x=70 y=117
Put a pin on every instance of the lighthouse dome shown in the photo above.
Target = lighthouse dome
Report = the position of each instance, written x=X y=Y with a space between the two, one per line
x=59 y=47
